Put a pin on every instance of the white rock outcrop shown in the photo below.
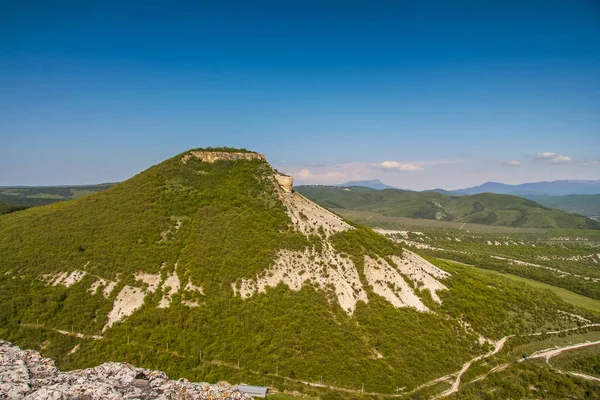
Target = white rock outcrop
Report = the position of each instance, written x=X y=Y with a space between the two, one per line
x=329 y=269
x=324 y=270
x=286 y=182
x=128 y=300
x=212 y=156
x=387 y=282
x=25 y=374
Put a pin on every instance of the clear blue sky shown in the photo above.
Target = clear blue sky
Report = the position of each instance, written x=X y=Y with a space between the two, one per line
x=420 y=94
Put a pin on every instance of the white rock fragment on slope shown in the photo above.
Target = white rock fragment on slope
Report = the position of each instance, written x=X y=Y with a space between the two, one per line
x=309 y=217
x=387 y=282
x=64 y=278
x=96 y=285
x=420 y=270
x=172 y=283
x=107 y=286
x=128 y=300
x=152 y=280
x=323 y=270
x=192 y=288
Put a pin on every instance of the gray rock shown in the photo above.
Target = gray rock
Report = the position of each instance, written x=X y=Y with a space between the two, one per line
x=25 y=374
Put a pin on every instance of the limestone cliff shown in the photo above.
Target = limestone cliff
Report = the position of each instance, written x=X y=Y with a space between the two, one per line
x=285 y=181
x=212 y=156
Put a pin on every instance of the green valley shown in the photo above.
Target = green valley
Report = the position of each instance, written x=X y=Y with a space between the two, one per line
x=485 y=208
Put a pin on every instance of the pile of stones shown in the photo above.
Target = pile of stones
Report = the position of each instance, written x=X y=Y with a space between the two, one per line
x=25 y=374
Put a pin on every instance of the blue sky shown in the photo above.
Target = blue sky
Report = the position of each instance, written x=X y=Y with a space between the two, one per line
x=419 y=94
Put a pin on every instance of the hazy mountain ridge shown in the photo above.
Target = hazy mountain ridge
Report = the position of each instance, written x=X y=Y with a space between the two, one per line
x=546 y=188
x=372 y=184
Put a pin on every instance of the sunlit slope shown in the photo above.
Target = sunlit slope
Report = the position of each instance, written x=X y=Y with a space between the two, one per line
x=208 y=259
x=484 y=208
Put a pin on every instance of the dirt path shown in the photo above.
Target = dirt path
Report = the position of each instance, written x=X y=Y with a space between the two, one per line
x=67 y=333
x=584 y=376
x=467 y=365
x=549 y=353
x=497 y=349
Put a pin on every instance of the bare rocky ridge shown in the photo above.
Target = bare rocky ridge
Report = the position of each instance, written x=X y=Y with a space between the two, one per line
x=25 y=374
x=212 y=156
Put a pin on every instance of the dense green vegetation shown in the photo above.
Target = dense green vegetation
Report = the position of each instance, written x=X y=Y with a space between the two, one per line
x=7 y=209
x=484 y=208
x=585 y=360
x=231 y=226
x=566 y=295
x=531 y=381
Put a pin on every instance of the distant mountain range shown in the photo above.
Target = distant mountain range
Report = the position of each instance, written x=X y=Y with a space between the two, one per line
x=545 y=188
x=372 y=184
x=554 y=188
x=577 y=196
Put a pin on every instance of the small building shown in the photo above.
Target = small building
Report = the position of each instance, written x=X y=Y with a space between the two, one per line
x=254 y=391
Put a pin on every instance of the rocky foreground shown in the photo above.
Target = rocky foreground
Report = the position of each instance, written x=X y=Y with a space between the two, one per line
x=25 y=374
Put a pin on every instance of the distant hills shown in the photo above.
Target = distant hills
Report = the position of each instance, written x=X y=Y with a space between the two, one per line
x=372 y=184
x=577 y=196
x=19 y=197
x=483 y=208
x=553 y=188
x=584 y=204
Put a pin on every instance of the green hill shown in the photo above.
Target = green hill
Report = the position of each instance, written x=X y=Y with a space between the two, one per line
x=484 y=208
x=584 y=204
x=16 y=198
x=207 y=266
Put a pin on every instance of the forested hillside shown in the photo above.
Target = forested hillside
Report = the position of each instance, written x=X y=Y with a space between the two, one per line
x=203 y=266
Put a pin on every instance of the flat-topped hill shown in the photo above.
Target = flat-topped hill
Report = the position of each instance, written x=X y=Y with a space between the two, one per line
x=209 y=267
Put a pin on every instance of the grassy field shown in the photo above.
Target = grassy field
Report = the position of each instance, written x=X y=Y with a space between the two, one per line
x=566 y=295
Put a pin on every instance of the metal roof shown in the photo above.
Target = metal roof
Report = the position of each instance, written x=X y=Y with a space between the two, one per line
x=258 y=391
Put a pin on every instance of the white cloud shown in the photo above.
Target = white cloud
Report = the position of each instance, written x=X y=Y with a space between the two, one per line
x=305 y=174
x=513 y=163
x=554 y=158
x=561 y=159
x=546 y=155
x=399 y=166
